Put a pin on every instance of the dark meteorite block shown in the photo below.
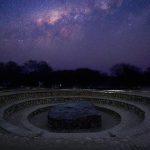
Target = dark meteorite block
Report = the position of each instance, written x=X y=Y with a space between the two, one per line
x=74 y=115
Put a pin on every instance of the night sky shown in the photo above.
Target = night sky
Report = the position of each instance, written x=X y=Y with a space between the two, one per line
x=71 y=34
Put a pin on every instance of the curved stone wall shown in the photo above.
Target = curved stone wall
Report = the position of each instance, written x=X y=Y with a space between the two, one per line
x=134 y=111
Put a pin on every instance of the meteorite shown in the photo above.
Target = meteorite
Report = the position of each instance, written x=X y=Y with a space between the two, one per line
x=74 y=115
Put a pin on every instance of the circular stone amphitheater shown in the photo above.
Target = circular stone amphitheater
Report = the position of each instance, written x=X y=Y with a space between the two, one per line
x=125 y=120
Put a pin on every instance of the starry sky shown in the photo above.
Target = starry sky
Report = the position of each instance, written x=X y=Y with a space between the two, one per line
x=71 y=34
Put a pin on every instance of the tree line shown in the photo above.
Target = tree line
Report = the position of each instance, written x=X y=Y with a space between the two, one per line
x=39 y=73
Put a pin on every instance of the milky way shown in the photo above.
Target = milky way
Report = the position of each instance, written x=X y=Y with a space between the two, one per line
x=72 y=33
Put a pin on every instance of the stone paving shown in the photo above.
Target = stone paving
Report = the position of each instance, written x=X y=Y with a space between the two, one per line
x=133 y=131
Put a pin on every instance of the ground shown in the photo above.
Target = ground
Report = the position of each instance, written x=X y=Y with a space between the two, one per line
x=126 y=120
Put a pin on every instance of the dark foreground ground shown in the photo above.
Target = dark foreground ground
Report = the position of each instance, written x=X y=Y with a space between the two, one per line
x=71 y=142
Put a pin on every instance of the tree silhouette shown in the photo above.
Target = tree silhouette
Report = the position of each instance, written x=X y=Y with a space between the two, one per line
x=87 y=77
x=39 y=73
x=146 y=77
x=2 y=74
x=126 y=74
x=35 y=72
x=10 y=74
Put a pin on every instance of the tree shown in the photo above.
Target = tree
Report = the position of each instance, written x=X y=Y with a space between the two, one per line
x=2 y=73
x=10 y=74
x=64 y=78
x=126 y=74
x=87 y=77
x=36 y=72
x=146 y=77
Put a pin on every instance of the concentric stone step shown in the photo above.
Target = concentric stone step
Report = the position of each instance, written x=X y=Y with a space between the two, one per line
x=18 y=107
